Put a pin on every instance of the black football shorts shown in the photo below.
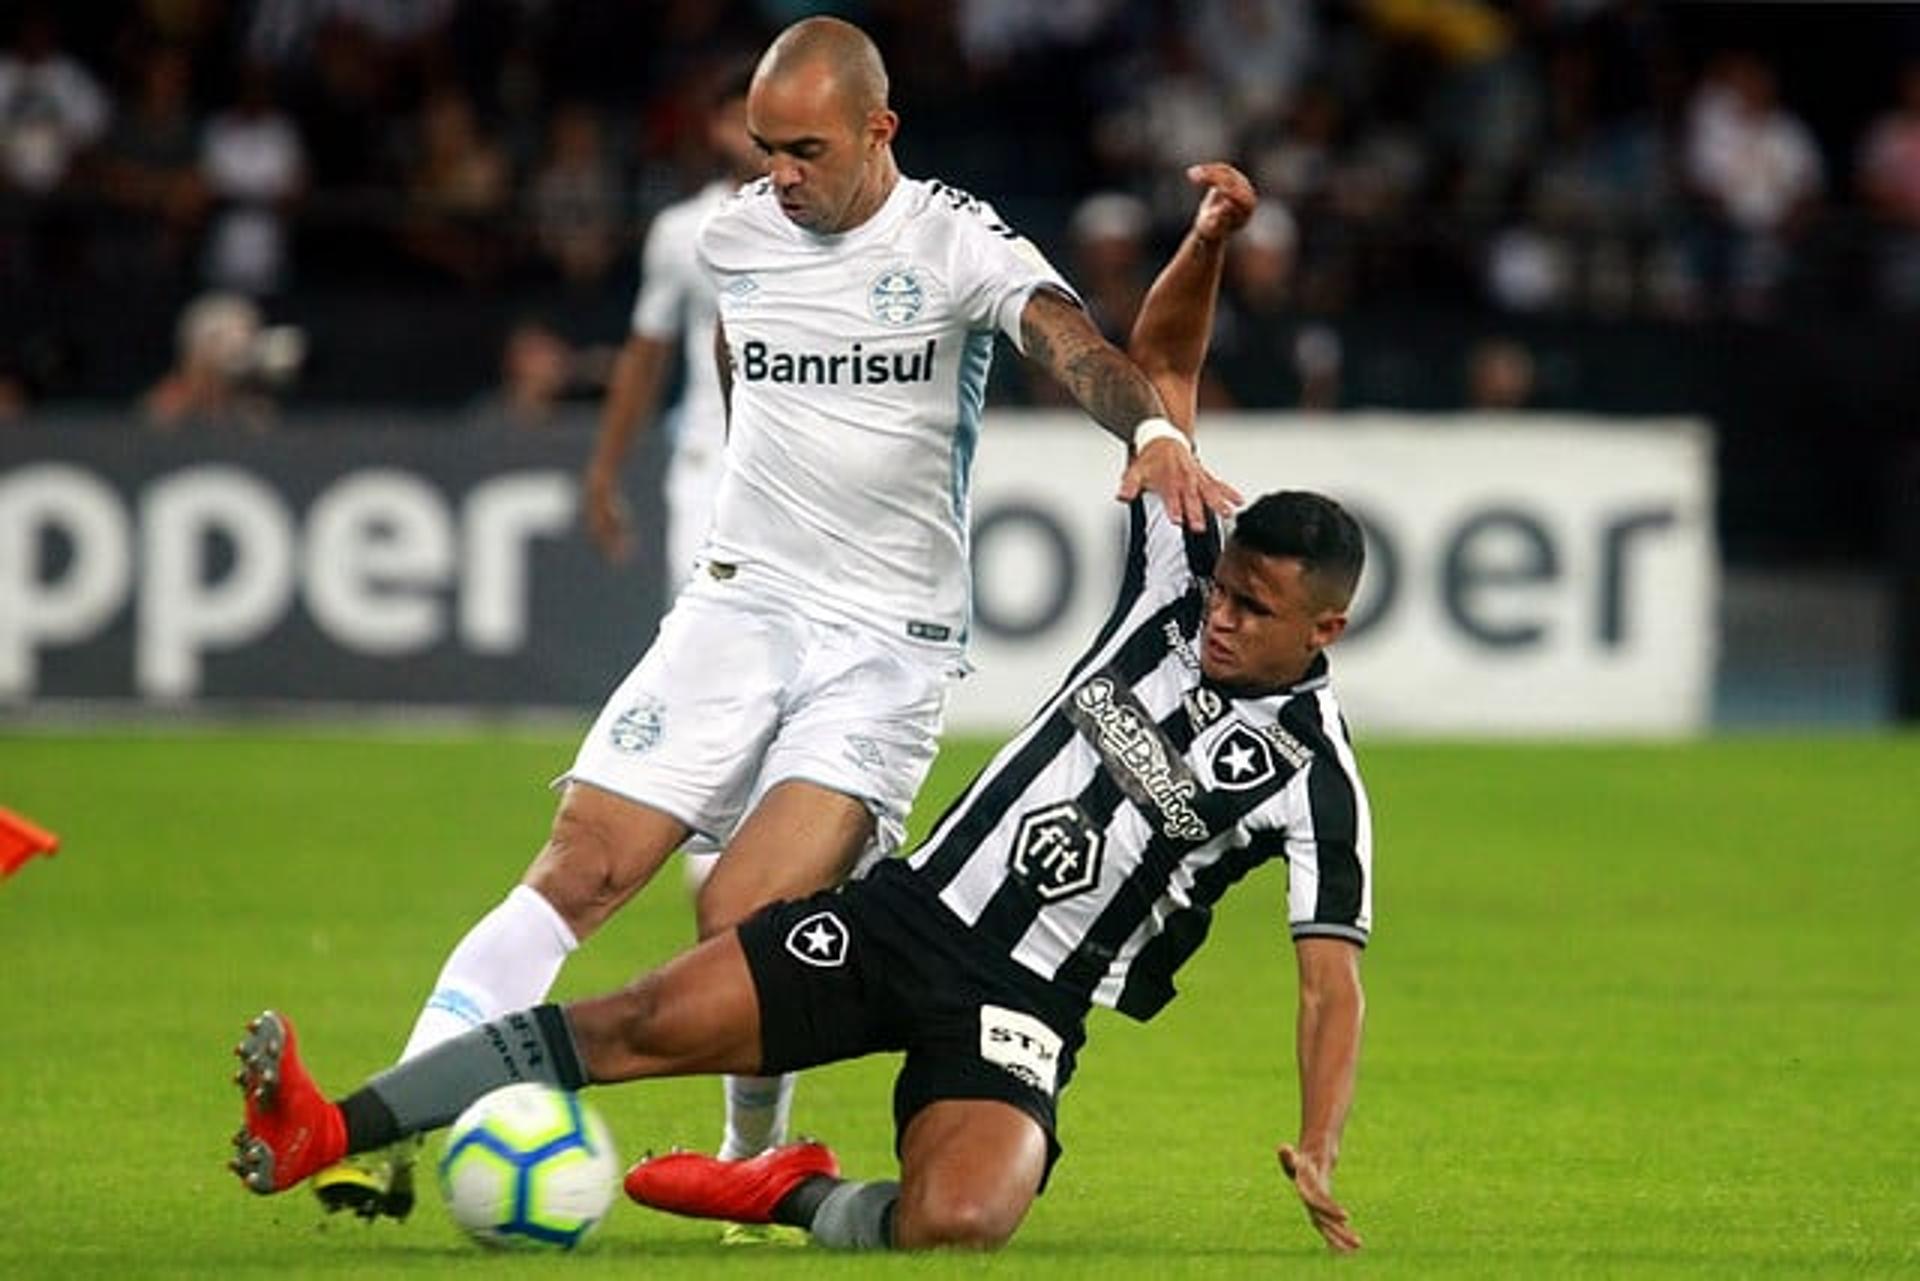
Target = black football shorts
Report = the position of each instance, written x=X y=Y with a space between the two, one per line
x=881 y=965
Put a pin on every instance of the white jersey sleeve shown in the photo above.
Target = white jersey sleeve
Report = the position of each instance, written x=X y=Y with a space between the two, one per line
x=668 y=276
x=995 y=269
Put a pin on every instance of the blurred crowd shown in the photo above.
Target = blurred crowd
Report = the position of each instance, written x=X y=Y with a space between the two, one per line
x=1610 y=158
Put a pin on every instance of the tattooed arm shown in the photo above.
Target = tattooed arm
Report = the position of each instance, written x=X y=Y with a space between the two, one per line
x=1060 y=338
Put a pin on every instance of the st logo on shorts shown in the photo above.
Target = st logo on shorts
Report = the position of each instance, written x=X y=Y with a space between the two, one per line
x=1241 y=759
x=1020 y=1044
x=820 y=940
x=1057 y=851
x=639 y=728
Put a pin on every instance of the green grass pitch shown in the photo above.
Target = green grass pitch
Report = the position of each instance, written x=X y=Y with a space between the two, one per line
x=1634 y=1010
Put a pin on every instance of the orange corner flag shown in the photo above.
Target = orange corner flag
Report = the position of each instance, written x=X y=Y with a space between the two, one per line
x=21 y=840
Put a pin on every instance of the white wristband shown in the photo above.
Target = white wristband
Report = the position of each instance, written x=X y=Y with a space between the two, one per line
x=1152 y=429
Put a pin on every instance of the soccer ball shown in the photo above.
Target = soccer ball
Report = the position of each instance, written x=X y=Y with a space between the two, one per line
x=529 y=1165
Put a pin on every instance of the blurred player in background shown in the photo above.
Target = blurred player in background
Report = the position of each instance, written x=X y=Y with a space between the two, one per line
x=1197 y=739
x=674 y=311
x=792 y=703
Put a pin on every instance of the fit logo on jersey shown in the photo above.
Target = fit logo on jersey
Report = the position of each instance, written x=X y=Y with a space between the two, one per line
x=1145 y=765
x=896 y=297
x=855 y=366
x=1057 y=852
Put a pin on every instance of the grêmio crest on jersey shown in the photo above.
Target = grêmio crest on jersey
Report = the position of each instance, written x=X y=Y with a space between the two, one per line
x=896 y=297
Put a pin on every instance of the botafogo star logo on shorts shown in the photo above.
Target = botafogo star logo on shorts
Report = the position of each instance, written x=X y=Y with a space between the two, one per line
x=819 y=941
x=896 y=297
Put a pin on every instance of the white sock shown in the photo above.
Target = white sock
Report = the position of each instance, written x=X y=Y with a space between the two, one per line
x=757 y=1106
x=507 y=962
x=757 y=1111
x=699 y=866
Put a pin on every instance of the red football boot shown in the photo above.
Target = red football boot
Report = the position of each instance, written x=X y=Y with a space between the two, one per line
x=705 y=1187
x=292 y=1131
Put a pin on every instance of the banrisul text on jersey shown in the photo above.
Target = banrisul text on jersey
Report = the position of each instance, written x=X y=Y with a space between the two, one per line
x=859 y=366
x=855 y=366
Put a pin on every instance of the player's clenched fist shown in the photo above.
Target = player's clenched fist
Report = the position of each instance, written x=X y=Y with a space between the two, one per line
x=1228 y=202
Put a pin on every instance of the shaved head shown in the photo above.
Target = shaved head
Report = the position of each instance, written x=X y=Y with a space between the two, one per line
x=817 y=111
x=840 y=49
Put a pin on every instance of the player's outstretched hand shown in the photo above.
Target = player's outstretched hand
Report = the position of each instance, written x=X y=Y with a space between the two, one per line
x=1227 y=204
x=1190 y=491
x=1314 y=1182
x=606 y=513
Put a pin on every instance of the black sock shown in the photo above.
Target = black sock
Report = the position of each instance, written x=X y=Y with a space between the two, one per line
x=370 y=1122
x=797 y=1208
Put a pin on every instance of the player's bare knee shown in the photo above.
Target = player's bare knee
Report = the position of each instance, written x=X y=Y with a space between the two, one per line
x=953 y=1222
x=578 y=872
x=637 y=1009
x=615 y=1032
x=718 y=908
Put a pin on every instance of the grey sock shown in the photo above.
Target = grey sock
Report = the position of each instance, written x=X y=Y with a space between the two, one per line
x=430 y=1090
x=857 y=1216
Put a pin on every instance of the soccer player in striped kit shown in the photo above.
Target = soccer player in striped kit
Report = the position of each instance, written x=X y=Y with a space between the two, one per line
x=1198 y=738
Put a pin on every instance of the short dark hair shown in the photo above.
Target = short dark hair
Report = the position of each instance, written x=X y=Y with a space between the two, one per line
x=1312 y=529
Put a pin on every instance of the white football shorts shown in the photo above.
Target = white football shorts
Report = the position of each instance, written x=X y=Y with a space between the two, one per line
x=742 y=691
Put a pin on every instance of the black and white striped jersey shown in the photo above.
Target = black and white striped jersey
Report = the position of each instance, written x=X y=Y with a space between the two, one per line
x=1094 y=846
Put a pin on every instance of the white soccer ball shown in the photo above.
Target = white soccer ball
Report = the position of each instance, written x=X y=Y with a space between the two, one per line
x=529 y=1165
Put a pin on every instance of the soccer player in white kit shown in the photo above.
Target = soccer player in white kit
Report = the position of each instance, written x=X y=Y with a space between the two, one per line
x=673 y=310
x=792 y=702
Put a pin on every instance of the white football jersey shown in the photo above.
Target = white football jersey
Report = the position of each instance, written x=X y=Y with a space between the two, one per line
x=859 y=367
x=675 y=299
